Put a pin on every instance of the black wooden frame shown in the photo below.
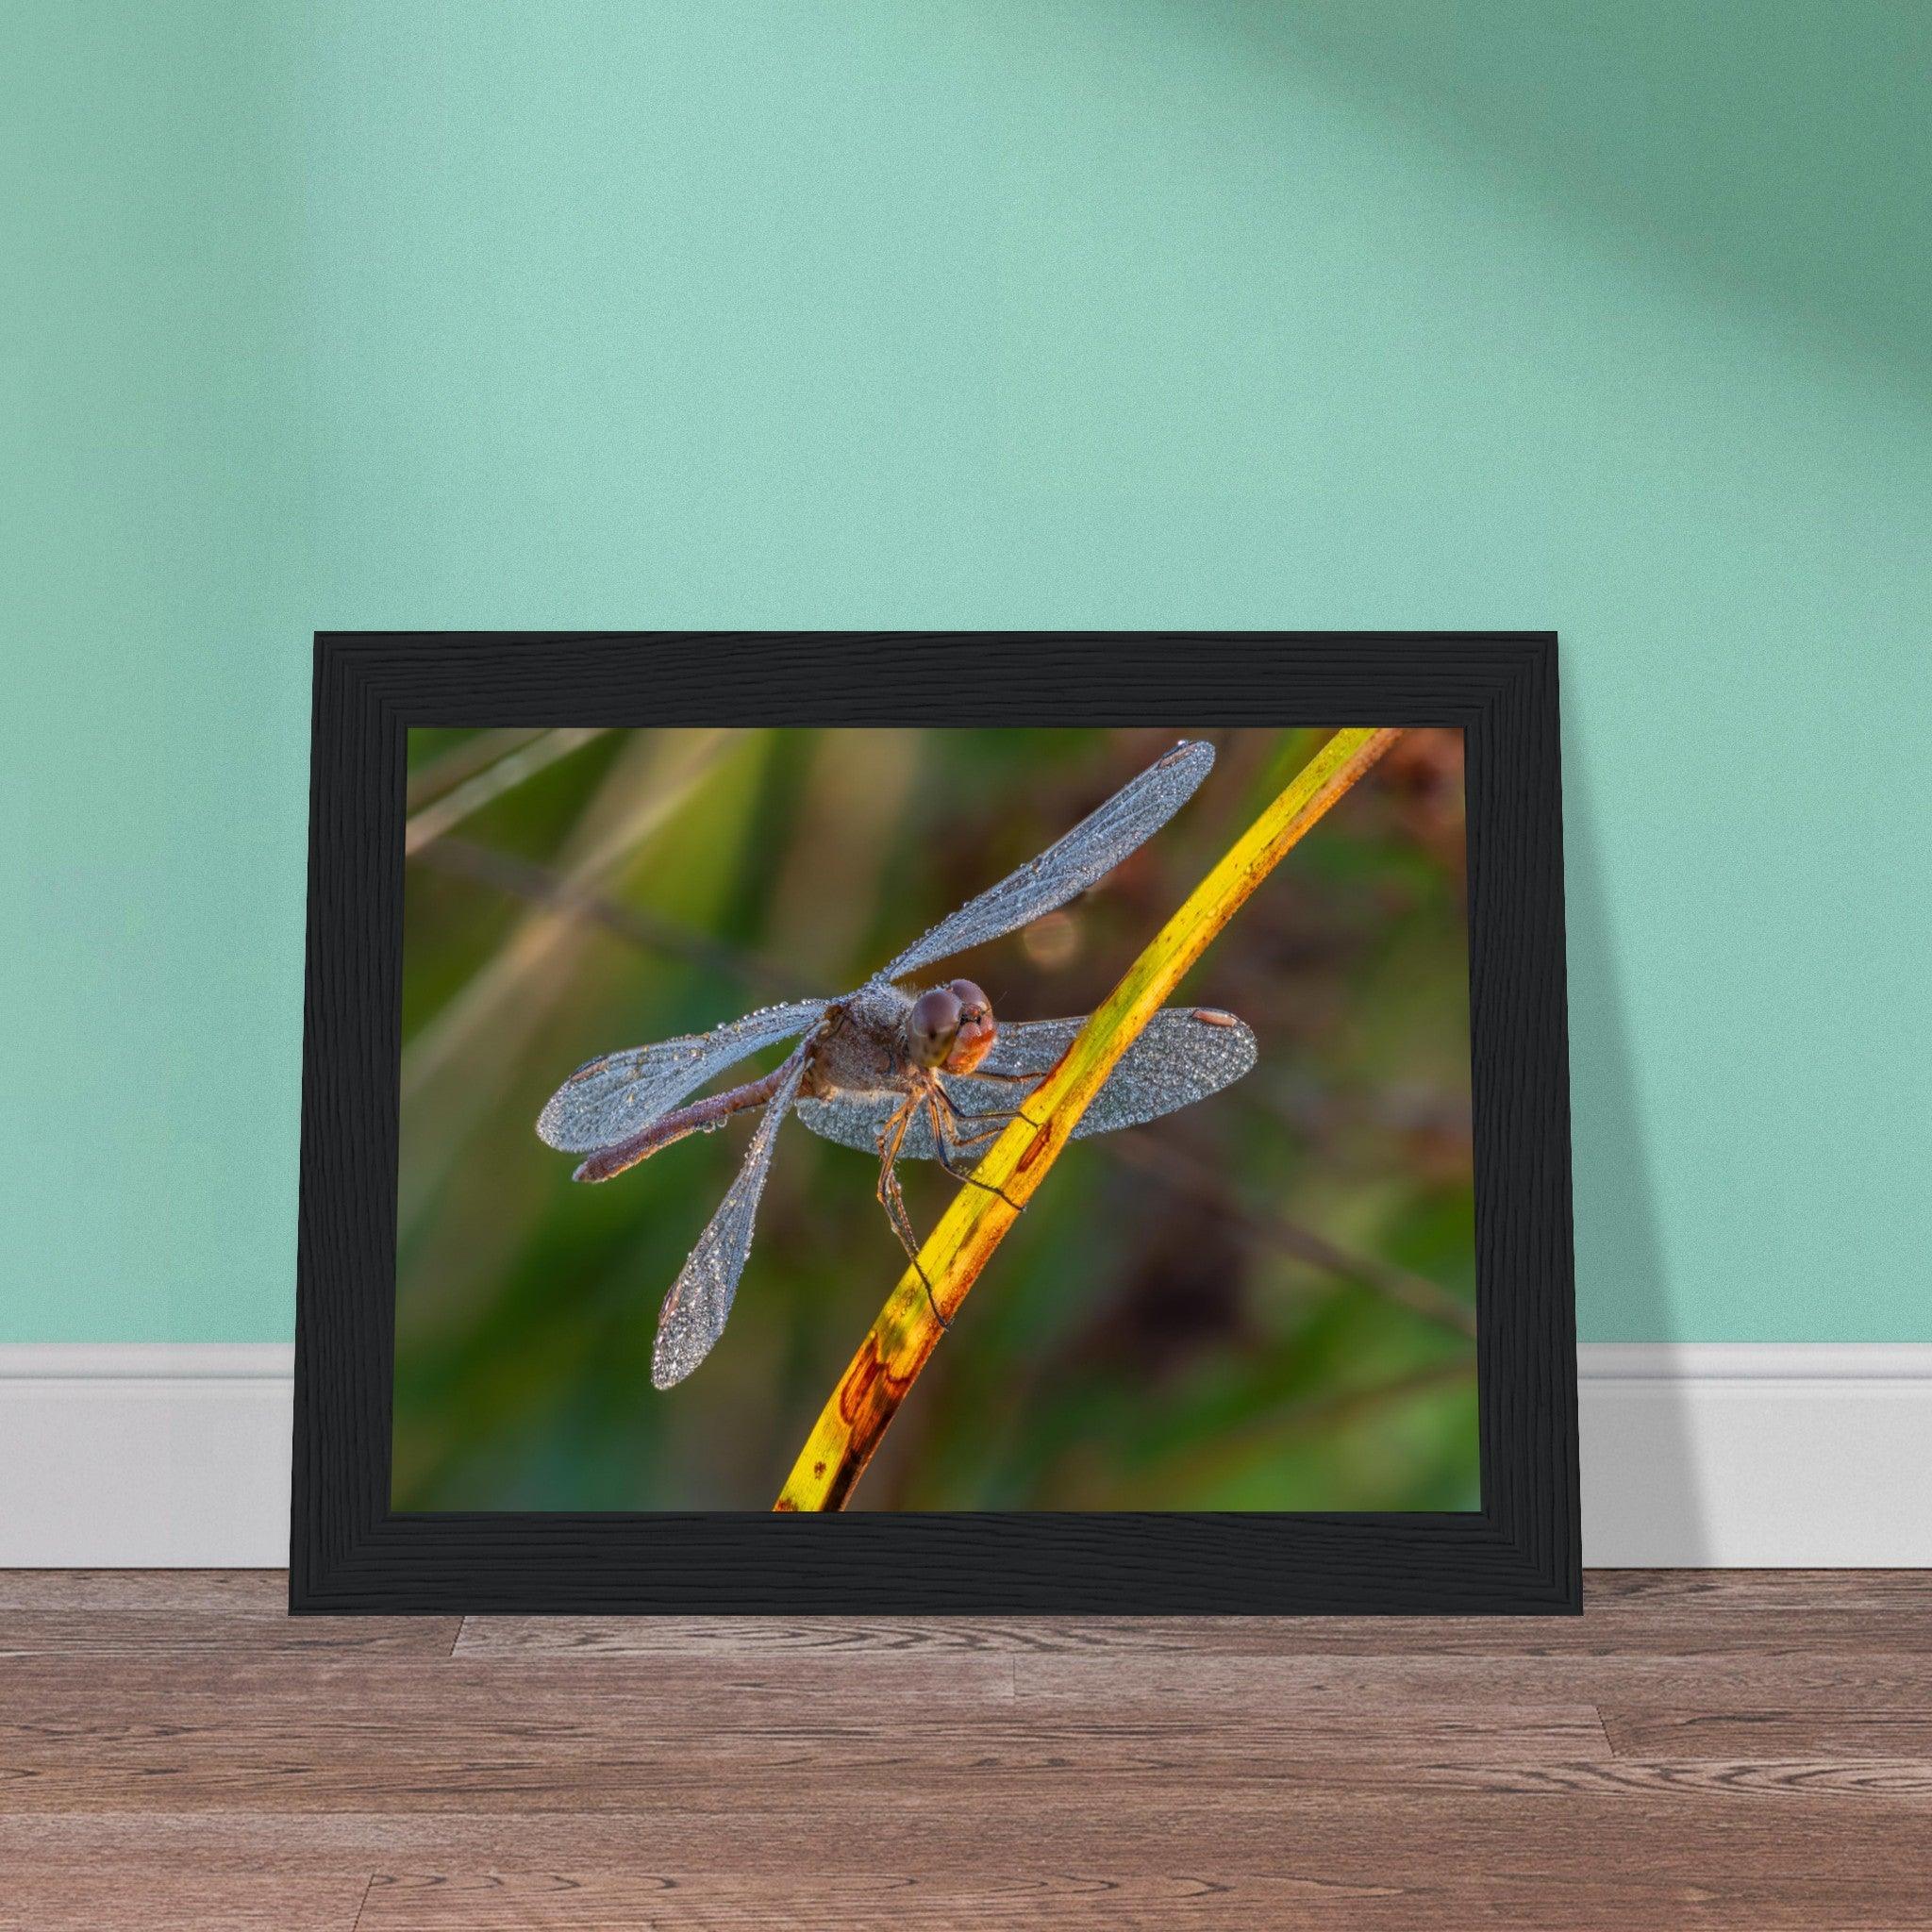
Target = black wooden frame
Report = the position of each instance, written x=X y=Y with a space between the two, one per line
x=351 y=1552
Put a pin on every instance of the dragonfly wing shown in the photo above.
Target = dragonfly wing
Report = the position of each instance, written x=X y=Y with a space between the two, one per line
x=854 y=1120
x=1067 y=868
x=694 y=1311
x=1179 y=1059
x=1183 y=1055
x=616 y=1095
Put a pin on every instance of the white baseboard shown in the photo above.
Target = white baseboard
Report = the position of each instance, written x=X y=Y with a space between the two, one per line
x=1705 y=1453
x=1757 y=1455
x=146 y=1456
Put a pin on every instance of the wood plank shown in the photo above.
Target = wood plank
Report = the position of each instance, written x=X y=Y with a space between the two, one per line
x=575 y=1901
x=594 y=1753
x=109 y=1612
x=1482 y=1809
x=158 y=1633
x=1346 y=1831
x=1011 y=1797
x=1153 y=1681
x=1763 y=1593
x=598 y=1901
x=163 y=1898
x=185 y=1592
x=1787 y=1732
x=1328 y=1856
x=167 y=1892
x=330 y=1690
x=1627 y=1612
x=1617 y=1629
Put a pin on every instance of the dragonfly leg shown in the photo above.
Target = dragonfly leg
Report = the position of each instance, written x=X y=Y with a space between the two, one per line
x=893 y=1130
x=978 y=1134
x=1027 y=1080
x=894 y=1201
x=950 y=1144
x=1000 y=1116
x=902 y=1226
x=946 y=1149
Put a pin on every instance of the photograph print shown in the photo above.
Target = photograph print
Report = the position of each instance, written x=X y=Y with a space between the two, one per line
x=935 y=1120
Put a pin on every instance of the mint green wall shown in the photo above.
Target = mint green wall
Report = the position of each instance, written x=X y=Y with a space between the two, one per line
x=1609 y=317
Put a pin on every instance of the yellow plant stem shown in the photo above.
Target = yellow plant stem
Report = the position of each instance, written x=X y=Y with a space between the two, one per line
x=850 y=1427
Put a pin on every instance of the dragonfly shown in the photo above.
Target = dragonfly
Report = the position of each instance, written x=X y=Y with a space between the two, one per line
x=904 y=1074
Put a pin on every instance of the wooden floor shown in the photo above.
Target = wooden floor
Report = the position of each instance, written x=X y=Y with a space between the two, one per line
x=1702 y=1749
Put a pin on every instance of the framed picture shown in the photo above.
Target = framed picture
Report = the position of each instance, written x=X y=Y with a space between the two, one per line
x=1114 y=1083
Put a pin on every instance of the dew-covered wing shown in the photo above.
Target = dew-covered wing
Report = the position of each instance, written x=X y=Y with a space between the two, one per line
x=1067 y=868
x=610 y=1098
x=854 y=1120
x=694 y=1311
x=1185 y=1054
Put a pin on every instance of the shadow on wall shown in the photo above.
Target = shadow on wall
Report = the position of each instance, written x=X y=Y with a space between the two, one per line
x=1771 y=156
x=1774 y=152
x=1620 y=1257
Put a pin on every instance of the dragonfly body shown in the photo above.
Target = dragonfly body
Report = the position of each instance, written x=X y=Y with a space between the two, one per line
x=859 y=1046
x=900 y=1074
x=881 y=1039
x=867 y=1045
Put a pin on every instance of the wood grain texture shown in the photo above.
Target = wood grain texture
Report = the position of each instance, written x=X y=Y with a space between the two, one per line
x=1718 y=1752
x=1026 y=1900
x=1768 y=1731
x=1519 y=1554
x=222 y=1614
x=1747 y=1613
x=190 y=1598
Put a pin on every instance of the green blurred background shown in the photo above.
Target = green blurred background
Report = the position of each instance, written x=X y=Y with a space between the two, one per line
x=1262 y=1302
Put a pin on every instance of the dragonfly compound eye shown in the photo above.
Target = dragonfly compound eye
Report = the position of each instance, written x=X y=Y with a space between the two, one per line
x=974 y=1005
x=976 y=1033
x=932 y=1023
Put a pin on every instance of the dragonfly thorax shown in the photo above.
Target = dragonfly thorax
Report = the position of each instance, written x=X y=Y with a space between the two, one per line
x=881 y=1039
x=859 y=1046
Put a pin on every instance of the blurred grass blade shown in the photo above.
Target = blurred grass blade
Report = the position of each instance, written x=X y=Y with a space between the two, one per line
x=522 y=761
x=640 y=797
x=457 y=1067
x=896 y=1348
x=446 y=770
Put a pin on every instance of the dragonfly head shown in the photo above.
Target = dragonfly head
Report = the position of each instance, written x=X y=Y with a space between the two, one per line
x=951 y=1026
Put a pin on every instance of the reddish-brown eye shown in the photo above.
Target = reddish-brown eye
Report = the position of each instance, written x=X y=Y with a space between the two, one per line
x=974 y=1005
x=976 y=1032
x=931 y=1024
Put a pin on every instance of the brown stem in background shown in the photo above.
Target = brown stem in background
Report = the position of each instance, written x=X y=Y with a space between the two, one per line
x=1415 y=1292
x=522 y=879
